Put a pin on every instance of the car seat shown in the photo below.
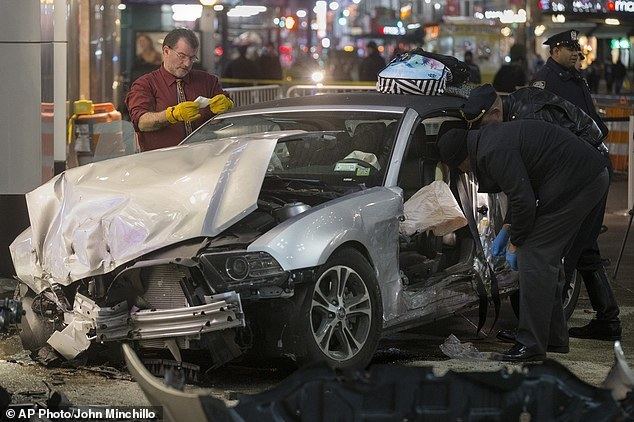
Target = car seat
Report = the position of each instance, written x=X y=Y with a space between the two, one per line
x=419 y=163
x=368 y=137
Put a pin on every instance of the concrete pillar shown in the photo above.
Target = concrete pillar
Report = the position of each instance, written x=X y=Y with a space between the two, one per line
x=20 y=117
x=208 y=43
x=60 y=69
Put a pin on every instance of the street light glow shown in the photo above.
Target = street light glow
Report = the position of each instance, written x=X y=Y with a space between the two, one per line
x=334 y=5
x=301 y=13
x=611 y=21
x=186 y=12
x=245 y=11
x=318 y=76
x=343 y=21
x=219 y=8
x=539 y=30
x=325 y=42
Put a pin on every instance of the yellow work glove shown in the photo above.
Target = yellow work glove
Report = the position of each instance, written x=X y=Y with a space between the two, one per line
x=182 y=112
x=220 y=103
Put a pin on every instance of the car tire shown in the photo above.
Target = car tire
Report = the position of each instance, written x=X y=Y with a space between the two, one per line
x=341 y=328
x=34 y=329
x=570 y=295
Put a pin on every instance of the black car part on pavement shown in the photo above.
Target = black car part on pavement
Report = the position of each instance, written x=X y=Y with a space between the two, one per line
x=540 y=392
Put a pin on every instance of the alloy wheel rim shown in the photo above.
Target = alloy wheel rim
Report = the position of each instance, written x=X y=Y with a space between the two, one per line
x=340 y=313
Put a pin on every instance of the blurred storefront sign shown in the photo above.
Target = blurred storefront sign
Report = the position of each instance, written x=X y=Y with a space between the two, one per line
x=599 y=8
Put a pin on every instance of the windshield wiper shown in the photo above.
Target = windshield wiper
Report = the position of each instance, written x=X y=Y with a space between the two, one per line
x=315 y=183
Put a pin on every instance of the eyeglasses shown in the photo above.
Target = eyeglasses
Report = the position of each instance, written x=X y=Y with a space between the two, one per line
x=183 y=56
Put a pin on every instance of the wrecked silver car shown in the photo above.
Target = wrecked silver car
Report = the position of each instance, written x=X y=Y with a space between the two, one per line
x=275 y=229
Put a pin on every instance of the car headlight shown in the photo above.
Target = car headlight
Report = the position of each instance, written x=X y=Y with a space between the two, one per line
x=244 y=266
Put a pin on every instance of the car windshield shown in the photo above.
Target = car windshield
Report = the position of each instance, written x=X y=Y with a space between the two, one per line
x=336 y=147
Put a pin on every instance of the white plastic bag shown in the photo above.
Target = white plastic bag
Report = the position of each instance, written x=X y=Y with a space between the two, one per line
x=432 y=208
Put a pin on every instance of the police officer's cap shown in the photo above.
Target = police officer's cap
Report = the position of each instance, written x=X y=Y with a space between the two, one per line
x=480 y=101
x=566 y=39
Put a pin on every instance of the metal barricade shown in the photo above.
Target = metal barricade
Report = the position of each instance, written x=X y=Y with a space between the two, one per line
x=304 y=90
x=254 y=94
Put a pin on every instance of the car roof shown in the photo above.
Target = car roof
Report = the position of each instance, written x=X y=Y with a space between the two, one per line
x=423 y=104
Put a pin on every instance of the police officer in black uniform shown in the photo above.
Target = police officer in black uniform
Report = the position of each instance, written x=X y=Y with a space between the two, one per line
x=532 y=160
x=560 y=76
x=485 y=107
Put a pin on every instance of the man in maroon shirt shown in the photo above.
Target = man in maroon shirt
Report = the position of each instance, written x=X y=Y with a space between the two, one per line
x=161 y=102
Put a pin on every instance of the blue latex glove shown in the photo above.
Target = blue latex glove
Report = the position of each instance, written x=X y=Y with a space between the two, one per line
x=500 y=241
x=511 y=258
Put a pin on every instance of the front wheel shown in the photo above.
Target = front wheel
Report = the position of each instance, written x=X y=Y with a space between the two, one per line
x=341 y=315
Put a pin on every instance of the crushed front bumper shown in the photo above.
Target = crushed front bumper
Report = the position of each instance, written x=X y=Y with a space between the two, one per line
x=220 y=312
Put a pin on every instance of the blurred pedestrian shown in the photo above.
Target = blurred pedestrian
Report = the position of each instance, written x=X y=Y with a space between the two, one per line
x=372 y=64
x=398 y=50
x=304 y=67
x=269 y=63
x=513 y=74
x=593 y=76
x=147 y=57
x=539 y=62
x=474 y=69
x=161 y=103
x=146 y=53
x=338 y=68
x=609 y=76
x=242 y=67
x=560 y=76
x=619 y=71
x=579 y=64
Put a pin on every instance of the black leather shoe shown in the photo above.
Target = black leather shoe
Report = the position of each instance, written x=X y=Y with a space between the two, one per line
x=506 y=336
x=598 y=330
x=521 y=353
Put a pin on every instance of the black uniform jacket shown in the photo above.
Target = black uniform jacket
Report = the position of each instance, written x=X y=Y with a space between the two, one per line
x=539 y=166
x=539 y=104
x=569 y=85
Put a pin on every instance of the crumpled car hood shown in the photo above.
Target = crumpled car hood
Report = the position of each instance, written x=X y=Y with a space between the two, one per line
x=91 y=219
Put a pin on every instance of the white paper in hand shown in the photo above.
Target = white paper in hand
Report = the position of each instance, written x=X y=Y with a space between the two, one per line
x=202 y=102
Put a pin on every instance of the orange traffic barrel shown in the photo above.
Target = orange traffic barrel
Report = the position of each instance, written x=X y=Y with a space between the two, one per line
x=89 y=129
x=617 y=140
